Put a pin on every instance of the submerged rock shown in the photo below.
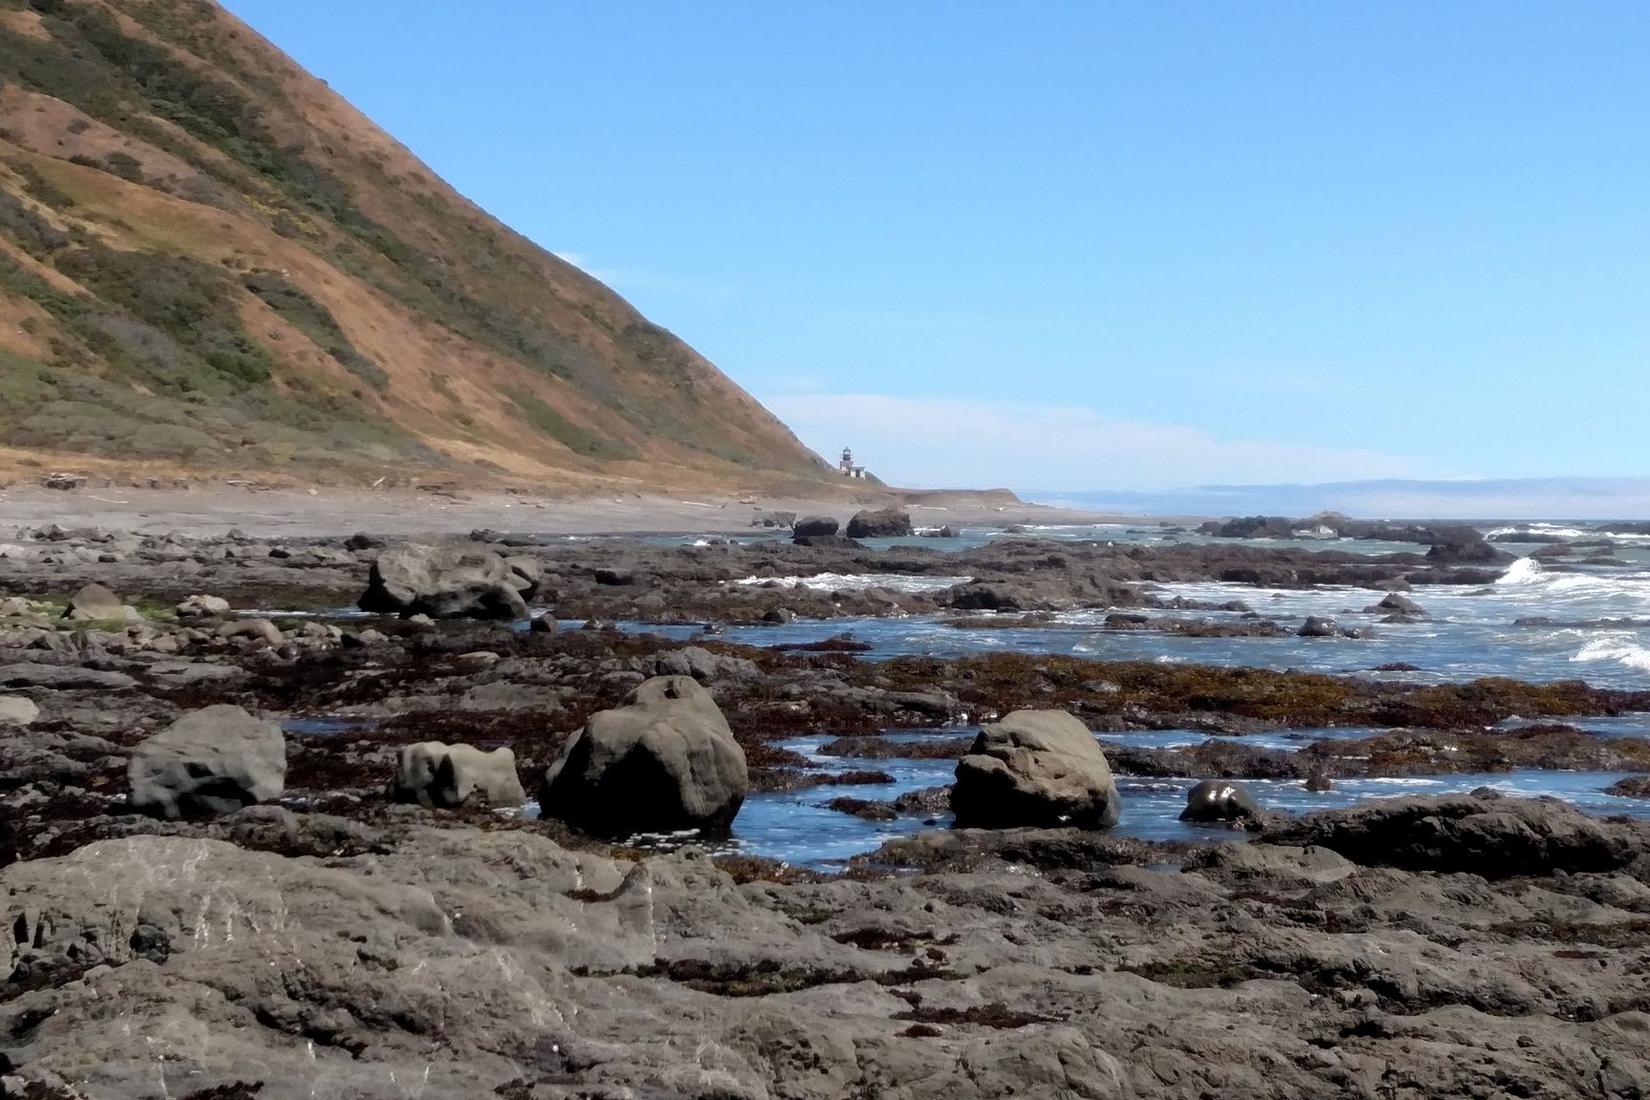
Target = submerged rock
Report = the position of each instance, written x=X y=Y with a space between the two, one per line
x=443 y=584
x=1220 y=800
x=211 y=761
x=1316 y=626
x=435 y=774
x=664 y=761
x=1035 y=768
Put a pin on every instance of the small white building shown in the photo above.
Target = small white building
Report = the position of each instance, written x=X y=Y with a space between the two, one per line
x=846 y=467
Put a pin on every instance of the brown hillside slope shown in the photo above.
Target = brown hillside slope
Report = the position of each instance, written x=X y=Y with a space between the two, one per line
x=208 y=260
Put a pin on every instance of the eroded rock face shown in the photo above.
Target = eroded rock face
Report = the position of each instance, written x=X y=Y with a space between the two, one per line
x=211 y=761
x=435 y=774
x=1035 y=768
x=879 y=523
x=444 y=583
x=666 y=760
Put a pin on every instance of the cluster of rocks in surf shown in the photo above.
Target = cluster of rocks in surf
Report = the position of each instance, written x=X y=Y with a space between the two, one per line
x=284 y=914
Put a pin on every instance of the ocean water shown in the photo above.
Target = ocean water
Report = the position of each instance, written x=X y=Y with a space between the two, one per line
x=1539 y=623
x=1535 y=623
x=797 y=826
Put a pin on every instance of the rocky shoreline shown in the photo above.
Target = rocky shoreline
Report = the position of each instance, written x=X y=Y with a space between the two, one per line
x=388 y=925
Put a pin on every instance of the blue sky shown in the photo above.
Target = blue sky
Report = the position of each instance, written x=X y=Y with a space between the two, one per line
x=1077 y=245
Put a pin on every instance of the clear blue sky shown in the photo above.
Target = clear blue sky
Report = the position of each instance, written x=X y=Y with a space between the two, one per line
x=1081 y=245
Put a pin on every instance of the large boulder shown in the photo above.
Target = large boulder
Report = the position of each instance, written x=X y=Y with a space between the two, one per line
x=434 y=774
x=95 y=602
x=814 y=525
x=664 y=761
x=443 y=583
x=879 y=524
x=211 y=761
x=1220 y=800
x=1035 y=768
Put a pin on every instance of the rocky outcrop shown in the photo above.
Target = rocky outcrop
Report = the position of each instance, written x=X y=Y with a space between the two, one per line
x=1483 y=833
x=211 y=761
x=439 y=775
x=1634 y=786
x=815 y=525
x=1220 y=800
x=1035 y=768
x=880 y=523
x=1464 y=546
x=664 y=761
x=443 y=583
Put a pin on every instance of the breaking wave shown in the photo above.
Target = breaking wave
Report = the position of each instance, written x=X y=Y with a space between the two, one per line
x=855 y=582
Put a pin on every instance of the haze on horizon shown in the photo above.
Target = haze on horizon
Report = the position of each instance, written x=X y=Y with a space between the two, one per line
x=1120 y=247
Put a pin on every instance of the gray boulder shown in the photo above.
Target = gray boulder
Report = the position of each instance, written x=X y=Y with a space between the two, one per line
x=434 y=774
x=94 y=601
x=202 y=607
x=1035 y=768
x=257 y=630
x=443 y=583
x=1316 y=626
x=880 y=523
x=814 y=525
x=17 y=710
x=664 y=761
x=1220 y=800
x=209 y=762
x=703 y=665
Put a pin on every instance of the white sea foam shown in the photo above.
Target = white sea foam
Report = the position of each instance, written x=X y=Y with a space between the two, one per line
x=855 y=582
x=1622 y=649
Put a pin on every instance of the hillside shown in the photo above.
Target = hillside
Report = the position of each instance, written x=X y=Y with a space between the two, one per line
x=210 y=261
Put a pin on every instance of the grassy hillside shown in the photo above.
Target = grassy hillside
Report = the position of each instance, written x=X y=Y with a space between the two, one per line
x=209 y=260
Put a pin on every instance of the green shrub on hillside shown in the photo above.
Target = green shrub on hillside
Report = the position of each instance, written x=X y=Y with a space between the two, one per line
x=315 y=321
x=579 y=440
x=189 y=301
x=21 y=222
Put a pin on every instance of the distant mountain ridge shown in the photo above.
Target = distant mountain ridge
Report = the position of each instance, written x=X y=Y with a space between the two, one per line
x=210 y=260
x=1555 y=498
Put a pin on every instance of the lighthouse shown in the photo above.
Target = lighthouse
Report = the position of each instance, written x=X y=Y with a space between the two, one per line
x=846 y=467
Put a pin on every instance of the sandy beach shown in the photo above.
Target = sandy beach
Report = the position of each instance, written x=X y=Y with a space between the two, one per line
x=294 y=513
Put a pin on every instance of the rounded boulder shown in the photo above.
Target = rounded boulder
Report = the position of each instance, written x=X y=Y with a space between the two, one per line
x=1035 y=768
x=664 y=761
